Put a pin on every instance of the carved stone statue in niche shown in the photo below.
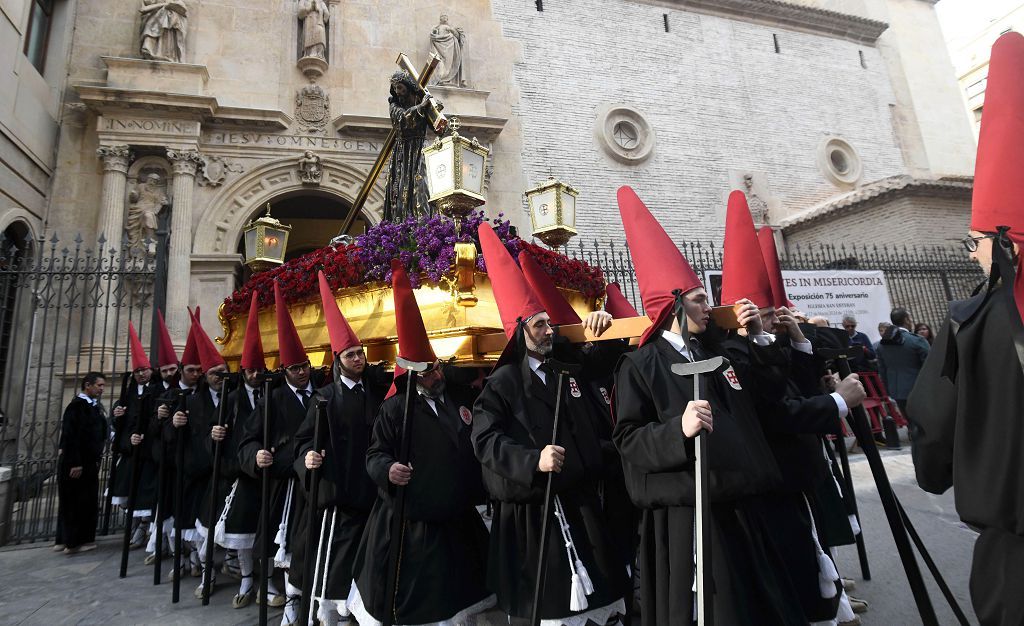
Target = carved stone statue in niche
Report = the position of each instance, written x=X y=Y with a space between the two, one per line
x=448 y=42
x=164 y=25
x=311 y=170
x=146 y=201
x=758 y=207
x=314 y=15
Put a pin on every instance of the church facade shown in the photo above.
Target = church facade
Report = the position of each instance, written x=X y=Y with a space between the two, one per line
x=834 y=123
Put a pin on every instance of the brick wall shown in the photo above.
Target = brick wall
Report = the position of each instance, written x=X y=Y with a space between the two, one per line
x=717 y=95
x=909 y=219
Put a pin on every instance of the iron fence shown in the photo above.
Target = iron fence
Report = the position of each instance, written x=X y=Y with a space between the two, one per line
x=921 y=279
x=66 y=310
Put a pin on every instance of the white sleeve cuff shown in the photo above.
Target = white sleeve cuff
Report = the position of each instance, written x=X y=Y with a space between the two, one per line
x=840 y=404
x=764 y=339
x=803 y=346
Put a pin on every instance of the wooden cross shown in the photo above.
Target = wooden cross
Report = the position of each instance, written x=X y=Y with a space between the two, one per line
x=436 y=118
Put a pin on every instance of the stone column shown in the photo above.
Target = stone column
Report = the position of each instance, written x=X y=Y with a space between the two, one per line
x=179 y=265
x=115 y=179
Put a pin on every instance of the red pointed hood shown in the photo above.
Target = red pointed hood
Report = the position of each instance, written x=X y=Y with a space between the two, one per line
x=289 y=345
x=512 y=294
x=743 y=271
x=660 y=266
x=766 y=238
x=166 y=354
x=616 y=305
x=996 y=199
x=557 y=307
x=252 y=350
x=341 y=334
x=190 y=356
x=413 y=344
x=209 y=355
x=139 y=358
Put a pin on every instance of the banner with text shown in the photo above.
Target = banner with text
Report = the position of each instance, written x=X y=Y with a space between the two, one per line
x=832 y=294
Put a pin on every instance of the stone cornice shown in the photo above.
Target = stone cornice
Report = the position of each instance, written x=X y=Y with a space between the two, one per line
x=787 y=15
x=883 y=190
x=108 y=100
x=483 y=128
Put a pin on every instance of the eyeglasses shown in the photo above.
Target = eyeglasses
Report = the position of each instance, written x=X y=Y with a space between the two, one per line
x=295 y=369
x=971 y=243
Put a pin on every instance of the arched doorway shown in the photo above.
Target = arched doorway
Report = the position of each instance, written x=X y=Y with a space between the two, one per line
x=315 y=217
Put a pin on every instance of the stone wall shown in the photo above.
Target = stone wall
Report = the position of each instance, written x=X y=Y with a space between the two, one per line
x=718 y=97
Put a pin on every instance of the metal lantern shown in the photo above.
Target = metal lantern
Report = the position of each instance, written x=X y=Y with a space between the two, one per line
x=553 y=212
x=455 y=173
x=266 y=240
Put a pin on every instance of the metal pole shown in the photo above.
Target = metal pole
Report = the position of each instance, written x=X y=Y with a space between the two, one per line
x=308 y=577
x=850 y=496
x=266 y=568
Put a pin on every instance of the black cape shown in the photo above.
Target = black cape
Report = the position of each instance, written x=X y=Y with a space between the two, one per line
x=346 y=492
x=512 y=422
x=83 y=432
x=659 y=465
x=967 y=431
x=444 y=541
x=286 y=414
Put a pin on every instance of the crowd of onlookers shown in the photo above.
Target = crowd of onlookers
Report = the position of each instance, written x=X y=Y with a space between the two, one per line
x=897 y=356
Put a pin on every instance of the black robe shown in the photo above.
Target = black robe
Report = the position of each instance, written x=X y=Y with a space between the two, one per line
x=444 y=540
x=967 y=431
x=83 y=433
x=202 y=417
x=512 y=423
x=659 y=465
x=793 y=434
x=242 y=498
x=139 y=408
x=286 y=414
x=346 y=492
x=163 y=438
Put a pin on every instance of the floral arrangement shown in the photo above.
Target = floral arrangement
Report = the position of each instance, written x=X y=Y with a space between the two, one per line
x=425 y=245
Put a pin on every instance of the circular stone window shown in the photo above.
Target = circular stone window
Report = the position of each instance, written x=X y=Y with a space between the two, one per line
x=839 y=162
x=624 y=133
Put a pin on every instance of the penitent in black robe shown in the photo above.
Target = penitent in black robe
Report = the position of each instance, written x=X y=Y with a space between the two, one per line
x=966 y=415
x=286 y=414
x=346 y=492
x=83 y=431
x=444 y=540
x=658 y=461
x=136 y=419
x=236 y=528
x=512 y=422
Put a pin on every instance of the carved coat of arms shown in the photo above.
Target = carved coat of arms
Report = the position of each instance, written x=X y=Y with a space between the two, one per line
x=312 y=108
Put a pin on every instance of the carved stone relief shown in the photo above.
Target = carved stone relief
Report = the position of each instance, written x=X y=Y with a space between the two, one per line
x=215 y=169
x=312 y=108
x=311 y=169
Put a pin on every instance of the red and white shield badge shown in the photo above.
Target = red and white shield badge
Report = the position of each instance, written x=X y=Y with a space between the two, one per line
x=730 y=376
x=607 y=398
x=574 y=389
x=466 y=415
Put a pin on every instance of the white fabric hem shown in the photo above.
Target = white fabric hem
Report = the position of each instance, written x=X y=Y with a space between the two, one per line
x=599 y=616
x=355 y=605
x=142 y=513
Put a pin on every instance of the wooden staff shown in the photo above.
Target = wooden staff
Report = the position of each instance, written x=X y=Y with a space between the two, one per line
x=398 y=518
x=308 y=576
x=265 y=570
x=179 y=495
x=212 y=507
x=133 y=488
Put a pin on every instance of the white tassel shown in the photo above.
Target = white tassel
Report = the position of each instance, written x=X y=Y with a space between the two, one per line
x=578 y=597
x=827 y=576
x=584 y=576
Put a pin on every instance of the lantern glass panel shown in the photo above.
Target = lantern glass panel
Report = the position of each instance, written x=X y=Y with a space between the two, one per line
x=545 y=212
x=440 y=176
x=250 y=244
x=472 y=171
x=569 y=210
x=273 y=243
